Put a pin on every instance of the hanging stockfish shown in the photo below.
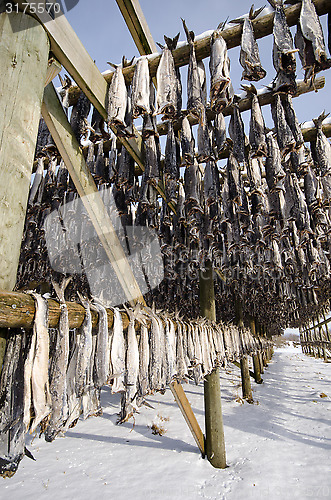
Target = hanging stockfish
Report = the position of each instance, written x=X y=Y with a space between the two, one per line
x=257 y=138
x=117 y=355
x=112 y=169
x=144 y=355
x=283 y=51
x=219 y=133
x=149 y=119
x=117 y=99
x=321 y=148
x=102 y=352
x=97 y=126
x=91 y=395
x=254 y=171
x=78 y=118
x=99 y=167
x=204 y=139
x=45 y=141
x=167 y=81
x=157 y=351
x=84 y=348
x=203 y=82
x=237 y=133
x=12 y=403
x=249 y=52
x=58 y=368
x=128 y=402
x=219 y=66
x=192 y=188
x=309 y=40
x=285 y=138
x=187 y=142
x=140 y=97
x=292 y=120
x=125 y=169
x=194 y=91
x=171 y=166
x=234 y=179
x=41 y=397
x=212 y=189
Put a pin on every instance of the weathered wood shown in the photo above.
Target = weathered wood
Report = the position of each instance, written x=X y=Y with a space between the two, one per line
x=24 y=52
x=17 y=310
x=71 y=53
x=215 y=443
x=251 y=374
x=263 y=26
x=245 y=380
x=186 y=409
x=53 y=69
x=137 y=24
x=257 y=369
x=70 y=151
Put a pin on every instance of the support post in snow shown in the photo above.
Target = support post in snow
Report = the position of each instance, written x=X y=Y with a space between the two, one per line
x=24 y=51
x=215 y=443
x=255 y=359
x=244 y=368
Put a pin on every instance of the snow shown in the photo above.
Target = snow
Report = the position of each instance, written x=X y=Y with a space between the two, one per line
x=278 y=447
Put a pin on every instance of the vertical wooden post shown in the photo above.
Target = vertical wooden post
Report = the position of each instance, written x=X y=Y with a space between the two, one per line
x=256 y=363
x=244 y=368
x=24 y=50
x=215 y=443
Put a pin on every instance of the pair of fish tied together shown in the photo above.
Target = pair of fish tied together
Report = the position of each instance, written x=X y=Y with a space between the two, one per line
x=53 y=376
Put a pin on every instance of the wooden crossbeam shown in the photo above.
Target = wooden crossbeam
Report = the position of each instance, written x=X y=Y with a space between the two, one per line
x=263 y=26
x=58 y=125
x=137 y=24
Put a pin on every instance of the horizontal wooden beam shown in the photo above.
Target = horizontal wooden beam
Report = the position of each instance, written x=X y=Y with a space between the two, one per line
x=265 y=96
x=263 y=26
x=17 y=310
x=58 y=125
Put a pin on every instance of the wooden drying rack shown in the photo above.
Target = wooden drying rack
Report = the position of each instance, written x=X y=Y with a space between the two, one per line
x=67 y=50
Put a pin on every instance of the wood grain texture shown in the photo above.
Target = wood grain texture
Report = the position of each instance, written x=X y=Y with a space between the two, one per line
x=24 y=50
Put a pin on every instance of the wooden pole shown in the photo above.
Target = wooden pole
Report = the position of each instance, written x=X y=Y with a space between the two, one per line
x=245 y=378
x=255 y=359
x=215 y=443
x=24 y=50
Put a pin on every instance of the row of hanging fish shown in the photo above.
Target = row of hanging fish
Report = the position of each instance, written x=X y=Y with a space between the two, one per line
x=60 y=371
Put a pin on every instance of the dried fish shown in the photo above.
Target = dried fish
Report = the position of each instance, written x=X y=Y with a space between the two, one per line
x=321 y=149
x=84 y=348
x=237 y=133
x=12 y=401
x=284 y=134
x=58 y=368
x=171 y=165
x=310 y=41
x=187 y=142
x=257 y=136
x=102 y=353
x=194 y=90
x=78 y=118
x=234 y=179
x=167 y=81
x=117 y=99
x=292 y=120
x=249 y=53
x=219 y=70
x=117 y=354
x=219 y=132
x=141 y=88
x=41 y=396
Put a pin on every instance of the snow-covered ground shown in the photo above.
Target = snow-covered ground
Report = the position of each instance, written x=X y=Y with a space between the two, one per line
x=280 y=447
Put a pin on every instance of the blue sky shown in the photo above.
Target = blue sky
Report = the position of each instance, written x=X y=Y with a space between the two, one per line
x=103 y=32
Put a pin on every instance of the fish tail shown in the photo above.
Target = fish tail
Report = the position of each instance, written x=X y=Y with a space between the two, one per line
x=318 y=121
x=189 y=34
